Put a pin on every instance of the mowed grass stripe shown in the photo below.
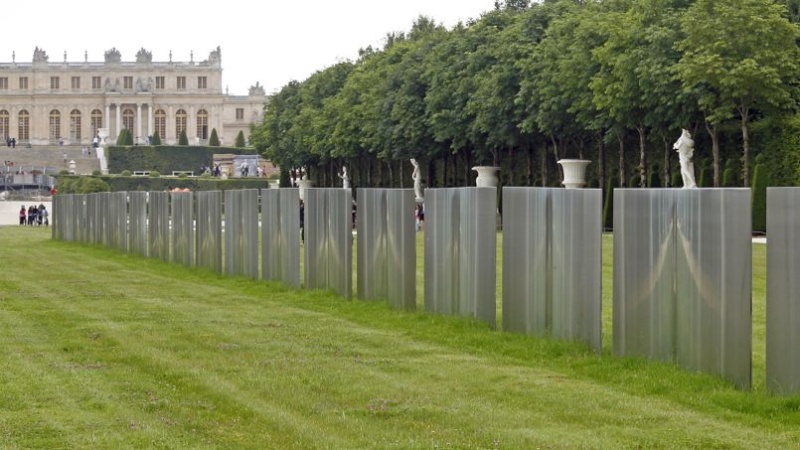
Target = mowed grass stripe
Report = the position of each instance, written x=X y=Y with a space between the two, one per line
x=177 y=357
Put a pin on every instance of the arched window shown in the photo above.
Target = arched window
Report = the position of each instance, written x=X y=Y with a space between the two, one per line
x=161 y=123
x=55 y=125
x=128 y=119
x=180 y=123
x=24 y=126
x=97 y=121
x=202 y=124
x=75 y=125
x=4 y=122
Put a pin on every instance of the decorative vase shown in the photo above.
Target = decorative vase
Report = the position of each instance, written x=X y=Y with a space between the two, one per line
x=303 y=185
x=574 y=172
x=274 y=184
x=487 y=176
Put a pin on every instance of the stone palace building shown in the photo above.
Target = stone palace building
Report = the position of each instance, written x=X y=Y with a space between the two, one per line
x=46 y=103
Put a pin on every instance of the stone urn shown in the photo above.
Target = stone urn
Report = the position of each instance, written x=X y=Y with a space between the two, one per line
x=274 y=184
x=487 y=176
x=574 y=172
x=303 y=185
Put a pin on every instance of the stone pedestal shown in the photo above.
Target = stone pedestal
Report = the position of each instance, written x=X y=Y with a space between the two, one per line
x=574 y=172
x=487 y=176
x=303 y=185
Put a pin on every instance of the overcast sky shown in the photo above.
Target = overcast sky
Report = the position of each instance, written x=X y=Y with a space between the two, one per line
x=272 y=43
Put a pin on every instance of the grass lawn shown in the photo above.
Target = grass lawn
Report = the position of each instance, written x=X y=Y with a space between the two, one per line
x=100 y=349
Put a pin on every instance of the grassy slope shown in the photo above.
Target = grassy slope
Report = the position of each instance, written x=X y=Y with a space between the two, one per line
x=100 y=350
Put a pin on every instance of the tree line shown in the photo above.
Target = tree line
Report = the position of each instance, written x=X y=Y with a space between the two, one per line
x=527 y=84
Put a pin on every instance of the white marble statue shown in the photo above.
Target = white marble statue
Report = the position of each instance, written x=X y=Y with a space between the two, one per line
x=685 y=147
x=345 y=178
x=416 y=175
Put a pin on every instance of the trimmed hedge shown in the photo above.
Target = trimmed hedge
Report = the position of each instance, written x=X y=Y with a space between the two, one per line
x=120 y=184
x=165 y=158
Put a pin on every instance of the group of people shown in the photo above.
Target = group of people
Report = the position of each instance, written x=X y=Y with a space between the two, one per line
x=34 y=215
x=11 y=142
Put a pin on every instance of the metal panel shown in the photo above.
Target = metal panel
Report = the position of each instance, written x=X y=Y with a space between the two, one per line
x=93 y=228
x=209 y=230
x=183 y=228
x=783 y=286
x=241 y=233
x=117 y=220
x=460 y=253
x=552 y=263
x=386 y=260
x=682 y=278
x=137 y=223
x=85 y=220
x=328 y=241
x=57 y=231
x=280 y=235
x=158 y=225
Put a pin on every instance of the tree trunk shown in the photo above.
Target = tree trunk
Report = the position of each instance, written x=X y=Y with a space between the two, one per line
x=511 y=166
x=712 y=131
x=745 y=112
x=391 y=173
x=543 y=169
x=642 y=156
x=445 y=169
x=601 y=161
x=529 y=156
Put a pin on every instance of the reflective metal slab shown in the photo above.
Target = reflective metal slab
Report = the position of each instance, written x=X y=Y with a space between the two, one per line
x=209 y=230
x=158 y=225
x=328 y=240
x=241 y=233
x=183 y=228
x=137 y=223
x=280 y=235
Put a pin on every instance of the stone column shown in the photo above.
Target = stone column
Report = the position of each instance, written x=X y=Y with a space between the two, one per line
x=117 y=126
x=150 y=119
x=107 y=119
x=171 y=137
x=138 y=122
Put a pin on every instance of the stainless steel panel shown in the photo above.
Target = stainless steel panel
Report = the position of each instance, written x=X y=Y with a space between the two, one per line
x=552 y=263
x=209 y=230
x=117 y=220
x=158 y=225
x=280 y=235
x=137 y=223
x=241 y=233
x=93 y=227
x=683 y=278
x=387 y=246
x=401 y=249
x=328 y=240
x=783 y=286
x=183 y=228
x=460 y=254
x=57 y=232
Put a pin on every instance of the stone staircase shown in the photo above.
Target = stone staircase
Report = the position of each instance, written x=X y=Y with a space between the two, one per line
x=52 y=156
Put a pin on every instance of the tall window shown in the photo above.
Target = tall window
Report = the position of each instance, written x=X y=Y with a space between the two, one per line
x=181 y=83
x=239 y=113
x=202 y=124
x=202 y=83
x=97 y=121
x=97 y=83
x=127 y=119
x=76 y=82
x=55 y=125
x=23 y=82
x=75 y=125
x=3 y=82
x=54 y=82
x=161 y=123
x=180 y=123
x=4 y=122
x=160 y=83
x=127 y=82
x=24 y=126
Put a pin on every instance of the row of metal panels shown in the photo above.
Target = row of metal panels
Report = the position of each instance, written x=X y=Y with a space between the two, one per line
x=682 y=259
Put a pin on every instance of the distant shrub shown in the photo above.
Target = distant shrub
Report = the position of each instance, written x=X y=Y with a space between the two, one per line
x=183 y=139
x=96 y=173
x=156 y=139
x=126 y=173
x=213 y=141
x=154 y=174
x=240 y=140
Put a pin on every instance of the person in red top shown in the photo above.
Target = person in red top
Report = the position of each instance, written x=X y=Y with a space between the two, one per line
x=22 y=215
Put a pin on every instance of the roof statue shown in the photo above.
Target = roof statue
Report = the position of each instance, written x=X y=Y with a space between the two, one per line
x=39 y=55
x=257 y=90
x=215 y=57
x=144 y=56
x=113 y=56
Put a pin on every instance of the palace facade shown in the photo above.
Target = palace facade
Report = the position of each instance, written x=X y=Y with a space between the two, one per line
x=47 y=103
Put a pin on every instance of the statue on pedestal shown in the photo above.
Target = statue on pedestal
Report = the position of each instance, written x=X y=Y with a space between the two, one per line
x=685 y=147
x=416 y=175
x=345 y=178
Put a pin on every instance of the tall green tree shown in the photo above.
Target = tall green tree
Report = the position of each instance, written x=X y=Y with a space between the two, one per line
x=240 y=143
x=183 y=139
x=213 y=140
x=739 y=56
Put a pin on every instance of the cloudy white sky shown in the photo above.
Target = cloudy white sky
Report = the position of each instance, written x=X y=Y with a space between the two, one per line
x=271 y=42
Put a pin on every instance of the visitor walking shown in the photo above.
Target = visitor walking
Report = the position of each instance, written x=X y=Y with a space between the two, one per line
x=22 y=215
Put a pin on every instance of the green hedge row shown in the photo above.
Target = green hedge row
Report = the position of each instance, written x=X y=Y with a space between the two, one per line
x=166 y=158
x=119 y=183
